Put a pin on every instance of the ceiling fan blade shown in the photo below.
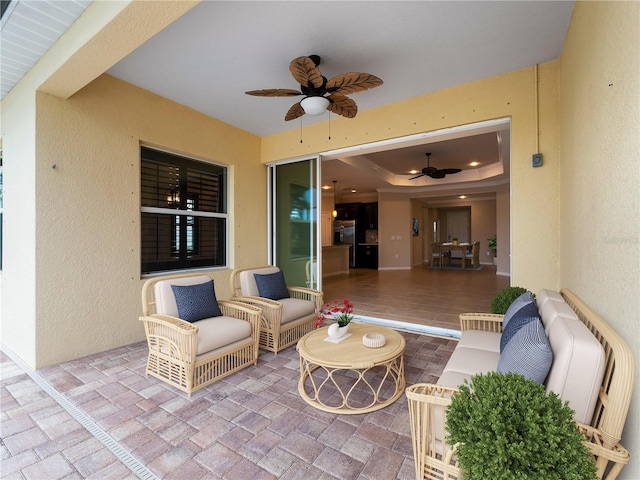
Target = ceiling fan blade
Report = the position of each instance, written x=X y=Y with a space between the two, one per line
x=353 y=82
x=417 y=176
x=341 y=105
x=294 y=112
x=274 y=92
x=437 y=174
x=450 y=171
x=305 y=72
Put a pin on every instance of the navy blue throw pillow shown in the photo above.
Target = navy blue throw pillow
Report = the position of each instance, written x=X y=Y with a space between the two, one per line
x=526 y=314
x=196 y=302
x=272 y=285
x=517 y=304
x=528 y=353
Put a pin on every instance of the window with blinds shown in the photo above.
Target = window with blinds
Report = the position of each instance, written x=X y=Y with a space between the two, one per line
x=183 y=212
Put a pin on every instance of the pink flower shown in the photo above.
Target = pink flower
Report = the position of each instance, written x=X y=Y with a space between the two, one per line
x=340 y=310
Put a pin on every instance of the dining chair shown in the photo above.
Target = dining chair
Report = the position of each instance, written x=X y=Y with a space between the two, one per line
x=473 y=256
x=437 y=255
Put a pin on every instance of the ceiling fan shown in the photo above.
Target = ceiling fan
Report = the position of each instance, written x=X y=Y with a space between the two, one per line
x=433 y=172
x=319 y=93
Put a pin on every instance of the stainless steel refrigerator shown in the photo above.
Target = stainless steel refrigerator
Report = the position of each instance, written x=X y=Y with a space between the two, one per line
x=344 y=233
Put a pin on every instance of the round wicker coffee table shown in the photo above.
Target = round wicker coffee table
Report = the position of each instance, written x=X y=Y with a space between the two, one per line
x=347 y=377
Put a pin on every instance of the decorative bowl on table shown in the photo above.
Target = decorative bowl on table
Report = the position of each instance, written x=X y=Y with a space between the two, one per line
x=374 y=340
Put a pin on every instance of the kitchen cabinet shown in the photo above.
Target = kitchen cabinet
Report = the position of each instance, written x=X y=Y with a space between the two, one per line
x=370 y=216
x=348 y=211
x=367 y=256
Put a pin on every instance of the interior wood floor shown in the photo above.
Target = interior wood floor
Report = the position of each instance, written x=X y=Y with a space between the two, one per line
x=422 y=295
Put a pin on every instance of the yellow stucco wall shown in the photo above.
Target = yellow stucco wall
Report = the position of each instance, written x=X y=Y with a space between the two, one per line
x=88 y=209
x=534 y=232
x=600 y=175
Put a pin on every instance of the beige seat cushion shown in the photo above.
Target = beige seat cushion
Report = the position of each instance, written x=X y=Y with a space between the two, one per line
x=489 y=341
x=295 y=308
x=218 y=332
x=470 y=361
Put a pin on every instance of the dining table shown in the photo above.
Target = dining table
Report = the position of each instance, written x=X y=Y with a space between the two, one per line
x=451 y=247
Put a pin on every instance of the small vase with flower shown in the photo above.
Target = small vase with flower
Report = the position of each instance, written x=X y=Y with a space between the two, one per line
x=339 y=310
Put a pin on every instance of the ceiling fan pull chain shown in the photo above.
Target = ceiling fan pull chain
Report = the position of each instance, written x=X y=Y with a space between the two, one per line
x=329 y=124
x=300 y=129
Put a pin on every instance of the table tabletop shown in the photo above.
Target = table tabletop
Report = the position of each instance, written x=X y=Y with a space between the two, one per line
x=350 y=352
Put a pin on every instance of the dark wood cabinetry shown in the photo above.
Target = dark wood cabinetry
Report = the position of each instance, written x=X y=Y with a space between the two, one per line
x=370 y=216
x=348 y=211
x=367 y=256
x=366 y=217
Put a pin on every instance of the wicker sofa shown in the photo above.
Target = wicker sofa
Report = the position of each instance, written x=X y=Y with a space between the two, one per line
x=592 y=369
x=193 y=354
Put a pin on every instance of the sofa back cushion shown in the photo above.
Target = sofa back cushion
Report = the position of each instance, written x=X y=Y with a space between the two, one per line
x=578 y=366
x=554 y=309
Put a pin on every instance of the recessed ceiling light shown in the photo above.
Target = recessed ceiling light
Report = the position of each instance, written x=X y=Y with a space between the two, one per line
x=413 y=172
x=474 y=164
x=326 y=187
x=462 y=196
x=353 y=190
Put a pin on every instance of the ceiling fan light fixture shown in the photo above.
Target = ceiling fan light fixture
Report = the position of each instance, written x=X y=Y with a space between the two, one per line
x=314 y=105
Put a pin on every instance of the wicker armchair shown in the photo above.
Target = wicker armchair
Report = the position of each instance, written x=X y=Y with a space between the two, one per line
x=434 y=459
x=284 y=321
x=190 y=356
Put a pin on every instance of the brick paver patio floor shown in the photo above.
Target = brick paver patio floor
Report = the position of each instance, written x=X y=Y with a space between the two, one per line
x=250 y=425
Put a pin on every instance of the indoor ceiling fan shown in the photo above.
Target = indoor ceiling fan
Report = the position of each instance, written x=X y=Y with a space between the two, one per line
x=433 y=172
x=319 y=93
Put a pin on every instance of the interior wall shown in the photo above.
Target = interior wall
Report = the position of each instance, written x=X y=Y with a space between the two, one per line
x=394 y=232
x=600 y=176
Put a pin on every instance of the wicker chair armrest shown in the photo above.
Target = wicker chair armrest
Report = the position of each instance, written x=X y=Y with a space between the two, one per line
x=487 y=322
x=609 y=461
x=315 y=296
x=430 y=393
x=260 y=302
x=180 y=326
x=433 y=457
x=171 y=336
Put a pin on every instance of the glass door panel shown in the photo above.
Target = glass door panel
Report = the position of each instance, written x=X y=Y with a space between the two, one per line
x=294 y=217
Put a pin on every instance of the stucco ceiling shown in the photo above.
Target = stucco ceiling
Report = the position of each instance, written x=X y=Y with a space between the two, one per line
x=209 y=57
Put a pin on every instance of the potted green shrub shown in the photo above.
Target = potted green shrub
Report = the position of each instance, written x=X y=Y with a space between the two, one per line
x=505 y=297
x=508 y=428
x=493 y=245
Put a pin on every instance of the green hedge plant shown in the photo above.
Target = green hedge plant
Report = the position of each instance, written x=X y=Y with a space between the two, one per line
x=510 y=429
x=504 y=298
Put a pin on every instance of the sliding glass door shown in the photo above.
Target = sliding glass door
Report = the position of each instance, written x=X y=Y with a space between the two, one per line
x=294 y=214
